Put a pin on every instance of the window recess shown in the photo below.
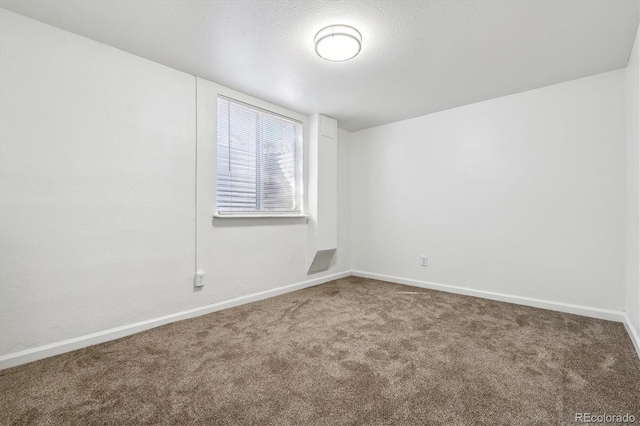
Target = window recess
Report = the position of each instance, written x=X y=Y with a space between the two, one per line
x=259 y=162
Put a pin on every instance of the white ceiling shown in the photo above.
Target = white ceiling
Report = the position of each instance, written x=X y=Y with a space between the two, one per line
x=417 y=57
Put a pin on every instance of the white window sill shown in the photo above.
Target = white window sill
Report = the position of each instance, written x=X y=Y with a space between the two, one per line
x=260 y=216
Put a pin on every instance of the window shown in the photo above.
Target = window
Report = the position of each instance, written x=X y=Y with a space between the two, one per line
x=259 y=161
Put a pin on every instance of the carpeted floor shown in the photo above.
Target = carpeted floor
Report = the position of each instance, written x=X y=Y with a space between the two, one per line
x=350 y=352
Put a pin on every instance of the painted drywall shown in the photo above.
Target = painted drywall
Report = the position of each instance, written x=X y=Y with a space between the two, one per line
x=98 y=207
x=632 y=91
x=323 y=180
x=522 y=195
x=97 y=177
x=343 y=253
x=247 y=255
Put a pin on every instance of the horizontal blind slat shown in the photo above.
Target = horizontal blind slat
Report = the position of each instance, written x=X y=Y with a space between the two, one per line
x=259 y=161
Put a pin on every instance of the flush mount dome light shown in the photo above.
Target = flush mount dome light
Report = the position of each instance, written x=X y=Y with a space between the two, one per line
x=338 y=43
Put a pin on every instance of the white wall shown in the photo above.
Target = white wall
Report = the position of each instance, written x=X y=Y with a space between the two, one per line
x=98 y=206
x=323 y=180
x=632 y=91
x=522 y=195
x=245 y=256
x=344 y=251
x=97 y=177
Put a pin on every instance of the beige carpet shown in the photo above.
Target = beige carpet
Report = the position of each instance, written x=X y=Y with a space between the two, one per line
x=350 y=352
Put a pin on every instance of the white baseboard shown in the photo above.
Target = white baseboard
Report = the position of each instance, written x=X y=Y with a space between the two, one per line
x=29 y=355
x=586 y=311
x=606 y=314
x=633 y=333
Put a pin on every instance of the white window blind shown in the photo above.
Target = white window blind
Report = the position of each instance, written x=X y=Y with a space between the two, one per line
x=259 y=161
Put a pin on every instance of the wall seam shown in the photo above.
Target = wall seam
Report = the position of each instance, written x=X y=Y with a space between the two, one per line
x=195 y=192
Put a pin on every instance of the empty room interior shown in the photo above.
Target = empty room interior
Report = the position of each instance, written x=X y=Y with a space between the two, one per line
x=348 y=212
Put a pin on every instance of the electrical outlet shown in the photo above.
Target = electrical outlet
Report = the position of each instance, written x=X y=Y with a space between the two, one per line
x=424 y=260
x=198 y=280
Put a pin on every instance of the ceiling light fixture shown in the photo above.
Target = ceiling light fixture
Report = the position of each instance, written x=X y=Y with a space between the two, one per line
x=338 y=43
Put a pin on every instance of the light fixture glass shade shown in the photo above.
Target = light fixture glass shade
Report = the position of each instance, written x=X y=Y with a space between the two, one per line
x=338 y=43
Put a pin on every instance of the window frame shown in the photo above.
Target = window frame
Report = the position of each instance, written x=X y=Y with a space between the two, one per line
x=273 y=110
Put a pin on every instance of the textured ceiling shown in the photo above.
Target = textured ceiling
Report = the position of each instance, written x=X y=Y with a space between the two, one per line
x=417 y=57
